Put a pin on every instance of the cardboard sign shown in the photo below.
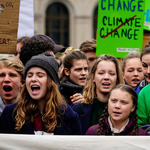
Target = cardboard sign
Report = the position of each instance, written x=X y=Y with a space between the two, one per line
x=147 y=15
x=120 y=27
x=9 y=13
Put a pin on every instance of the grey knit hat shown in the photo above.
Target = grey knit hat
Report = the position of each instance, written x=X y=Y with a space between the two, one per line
x=45 y=61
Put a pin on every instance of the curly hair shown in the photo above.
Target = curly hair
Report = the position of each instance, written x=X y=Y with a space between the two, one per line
x=132 y=115
x=34 y=47
x=27 y=108
x=90 y=88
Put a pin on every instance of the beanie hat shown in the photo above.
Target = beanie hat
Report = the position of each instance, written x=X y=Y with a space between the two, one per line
x=45 y=61
x=57 y=48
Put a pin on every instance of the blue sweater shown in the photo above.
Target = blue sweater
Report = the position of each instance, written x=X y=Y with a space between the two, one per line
x=70 y=124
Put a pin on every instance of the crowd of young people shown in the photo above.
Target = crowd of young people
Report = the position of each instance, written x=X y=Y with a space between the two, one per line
x=91 y=96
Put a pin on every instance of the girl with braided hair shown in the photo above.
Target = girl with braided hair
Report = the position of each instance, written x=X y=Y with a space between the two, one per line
x=119 y=117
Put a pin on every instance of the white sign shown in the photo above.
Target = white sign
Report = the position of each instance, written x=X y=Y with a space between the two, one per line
x=26 y=19
x=54 y=142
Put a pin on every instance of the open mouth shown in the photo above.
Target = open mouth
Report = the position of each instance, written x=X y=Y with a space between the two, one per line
x=136 y=80
x=106 y=84
x=35 y=88
x=117 y=112
x=7 y=88
x=82 y=79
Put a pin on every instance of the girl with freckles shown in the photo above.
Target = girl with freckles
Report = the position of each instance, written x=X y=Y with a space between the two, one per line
x=119 y=117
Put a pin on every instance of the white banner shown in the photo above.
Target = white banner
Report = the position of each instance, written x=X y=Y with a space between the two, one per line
x=26 y=19
x=54 y=142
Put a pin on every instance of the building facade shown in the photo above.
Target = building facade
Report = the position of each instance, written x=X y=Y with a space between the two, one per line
x=67 y=22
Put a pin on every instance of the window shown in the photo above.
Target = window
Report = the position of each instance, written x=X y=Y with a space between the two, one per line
x=95 y=22
x=57 y=23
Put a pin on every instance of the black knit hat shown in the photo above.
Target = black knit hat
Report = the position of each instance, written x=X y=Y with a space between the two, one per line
x=45 y=61
x=57 y=48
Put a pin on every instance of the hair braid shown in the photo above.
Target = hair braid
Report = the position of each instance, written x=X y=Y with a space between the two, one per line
x=135 y=118
x=102 y=121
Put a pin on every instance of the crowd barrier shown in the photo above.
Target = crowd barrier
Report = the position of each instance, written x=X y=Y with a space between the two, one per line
x=47 y=142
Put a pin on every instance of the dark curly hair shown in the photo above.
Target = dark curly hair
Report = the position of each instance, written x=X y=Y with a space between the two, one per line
x=34 y=47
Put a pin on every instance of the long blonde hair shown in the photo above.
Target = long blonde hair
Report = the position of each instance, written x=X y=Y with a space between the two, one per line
x=90 y=87
x=27 y=108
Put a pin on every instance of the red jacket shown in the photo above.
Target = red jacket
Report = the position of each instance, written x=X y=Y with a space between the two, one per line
x=107 y=131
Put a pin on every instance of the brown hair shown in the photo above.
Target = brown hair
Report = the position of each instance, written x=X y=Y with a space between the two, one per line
x=133 y=114
x=90 y=87
x=68 y=59
x=130 y=56
x=88 y=46
x=144 y=52
x=28 y=108
x=23 y=40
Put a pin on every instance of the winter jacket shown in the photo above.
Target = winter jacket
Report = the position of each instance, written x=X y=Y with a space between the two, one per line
x=70 y=124
x=107 y=131
x=68 y=89
x=85 y=113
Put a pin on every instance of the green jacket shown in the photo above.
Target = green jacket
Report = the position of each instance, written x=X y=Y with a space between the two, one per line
x=143 y=110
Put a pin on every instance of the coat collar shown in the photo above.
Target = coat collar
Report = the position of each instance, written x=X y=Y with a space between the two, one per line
x=127 y=131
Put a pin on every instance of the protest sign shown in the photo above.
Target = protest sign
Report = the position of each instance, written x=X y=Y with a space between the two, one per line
x=66 y=142
x=120 y=27
x=9 y=14
x=26 y=19
x=147 y=15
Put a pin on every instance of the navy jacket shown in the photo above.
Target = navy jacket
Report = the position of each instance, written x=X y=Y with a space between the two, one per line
x=85 y=113
x=70 y=124
x=68 y=89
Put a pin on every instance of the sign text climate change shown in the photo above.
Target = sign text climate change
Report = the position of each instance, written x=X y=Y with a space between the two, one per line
x=115 y=21
x=2 y=9
x=120 y=23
